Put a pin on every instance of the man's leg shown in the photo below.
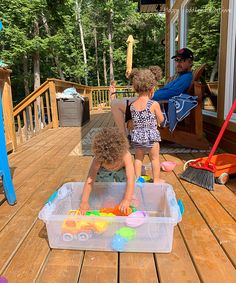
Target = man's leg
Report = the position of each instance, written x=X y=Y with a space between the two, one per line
x=118 y=108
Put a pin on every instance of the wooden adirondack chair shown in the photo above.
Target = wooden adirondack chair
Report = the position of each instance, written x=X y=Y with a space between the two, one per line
x=189 y=132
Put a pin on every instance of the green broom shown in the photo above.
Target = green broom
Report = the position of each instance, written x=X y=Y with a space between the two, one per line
x=201 y=172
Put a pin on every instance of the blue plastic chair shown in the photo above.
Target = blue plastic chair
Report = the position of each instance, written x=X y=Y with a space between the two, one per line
x=5 y=172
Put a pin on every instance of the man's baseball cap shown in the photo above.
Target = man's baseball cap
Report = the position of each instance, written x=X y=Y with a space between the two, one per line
x=184 y=53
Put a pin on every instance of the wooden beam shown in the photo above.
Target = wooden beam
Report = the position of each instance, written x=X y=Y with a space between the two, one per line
x=52 y=93
x=7 y=105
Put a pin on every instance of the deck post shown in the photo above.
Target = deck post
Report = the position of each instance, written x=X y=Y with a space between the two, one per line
x=9 y=127
x=52 y=93
x=90 y=96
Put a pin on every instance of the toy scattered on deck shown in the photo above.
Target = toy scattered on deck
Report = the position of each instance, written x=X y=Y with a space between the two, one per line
x=121 y=238
x=168 y=166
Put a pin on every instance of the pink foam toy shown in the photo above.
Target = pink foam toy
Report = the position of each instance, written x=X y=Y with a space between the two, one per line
x=168 y=166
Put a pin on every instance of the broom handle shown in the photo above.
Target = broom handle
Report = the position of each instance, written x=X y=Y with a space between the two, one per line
x=221 y=133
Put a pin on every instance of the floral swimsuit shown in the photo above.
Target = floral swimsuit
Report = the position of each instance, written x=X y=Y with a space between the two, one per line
x=145 y=132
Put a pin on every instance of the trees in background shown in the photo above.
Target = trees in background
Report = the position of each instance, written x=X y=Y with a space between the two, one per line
x=81 y=41
x=85 y=41
x=204 y=34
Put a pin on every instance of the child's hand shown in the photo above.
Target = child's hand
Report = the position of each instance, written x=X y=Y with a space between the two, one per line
x=84 y=207
x=124 y=206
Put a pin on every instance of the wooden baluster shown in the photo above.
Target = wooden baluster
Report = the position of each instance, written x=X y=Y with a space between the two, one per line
x=42 y=110
x=90 y=95
x=19 y=128
x=36 y=117
x=31 y=126
x=96 y=95
x=25 y=126
x=48 y=108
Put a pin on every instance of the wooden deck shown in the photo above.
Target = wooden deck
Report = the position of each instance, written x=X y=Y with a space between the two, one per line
x=204 y=248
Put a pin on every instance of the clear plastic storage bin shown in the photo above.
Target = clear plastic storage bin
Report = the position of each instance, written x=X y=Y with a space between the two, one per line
x=150 y=232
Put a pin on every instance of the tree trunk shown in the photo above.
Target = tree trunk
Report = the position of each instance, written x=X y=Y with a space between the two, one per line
x=36 y=64
x=110 y=37
x=25 y=73
x=26 y=86
x=96 y=54
x=78 y=18
x=104 y=66
x=55 y=56
x=36 y=59
x=215 y=68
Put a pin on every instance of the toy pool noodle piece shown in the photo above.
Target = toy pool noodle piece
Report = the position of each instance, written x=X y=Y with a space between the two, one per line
x=136 y=219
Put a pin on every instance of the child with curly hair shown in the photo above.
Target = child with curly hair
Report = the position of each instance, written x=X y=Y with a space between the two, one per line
x=112 y=162
x=146 y=115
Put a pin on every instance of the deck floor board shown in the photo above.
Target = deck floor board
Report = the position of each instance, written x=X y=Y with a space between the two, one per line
x=204 y=244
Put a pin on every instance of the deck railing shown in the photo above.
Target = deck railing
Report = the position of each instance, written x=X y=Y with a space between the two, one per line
x=101 y=98
x=38 y=111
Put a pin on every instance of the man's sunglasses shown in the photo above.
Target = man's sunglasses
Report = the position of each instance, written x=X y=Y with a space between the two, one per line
x=180 y=60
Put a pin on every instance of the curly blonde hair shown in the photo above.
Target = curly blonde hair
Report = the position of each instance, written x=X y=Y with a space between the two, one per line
x=144 y=80
x=109 y=145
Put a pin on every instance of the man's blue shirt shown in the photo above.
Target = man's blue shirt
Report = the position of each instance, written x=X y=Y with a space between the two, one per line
x=175 y=87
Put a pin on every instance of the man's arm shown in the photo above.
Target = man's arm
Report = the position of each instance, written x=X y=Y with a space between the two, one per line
x=174 y=88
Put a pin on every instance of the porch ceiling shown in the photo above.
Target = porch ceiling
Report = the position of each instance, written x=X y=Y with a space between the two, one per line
x=151 y=6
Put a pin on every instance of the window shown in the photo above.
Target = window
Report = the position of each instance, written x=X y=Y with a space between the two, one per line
x=230 y=79
x=200 y=32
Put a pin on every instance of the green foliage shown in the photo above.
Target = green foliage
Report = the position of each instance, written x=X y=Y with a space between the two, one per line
x=59 y=43
x=204 y=31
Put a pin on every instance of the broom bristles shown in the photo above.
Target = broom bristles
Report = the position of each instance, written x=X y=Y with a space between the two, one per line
x=200 y=177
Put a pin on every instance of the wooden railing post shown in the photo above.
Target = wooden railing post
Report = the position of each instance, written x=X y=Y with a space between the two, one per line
x=7 y=105
x=52 y=93
x=90 y=98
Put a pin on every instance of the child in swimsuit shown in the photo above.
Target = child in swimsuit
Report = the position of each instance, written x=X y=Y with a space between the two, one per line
x=112 y=162
x=146 y=115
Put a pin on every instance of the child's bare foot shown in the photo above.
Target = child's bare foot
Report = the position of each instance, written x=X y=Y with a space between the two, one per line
x=158 y=181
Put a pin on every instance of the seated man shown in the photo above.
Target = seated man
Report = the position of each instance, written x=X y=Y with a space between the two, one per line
x=184 y=62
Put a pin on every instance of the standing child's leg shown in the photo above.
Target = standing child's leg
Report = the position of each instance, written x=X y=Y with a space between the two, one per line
x=155 y=160
x=139 y=155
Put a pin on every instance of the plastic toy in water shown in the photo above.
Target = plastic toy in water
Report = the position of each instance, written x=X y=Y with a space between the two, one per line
x=168 y=166
x=121 y=238
x=146 y=178
x=116 y=211
x=136 y=219
x=127 y=233
x=80 y=229
x=118 y=243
